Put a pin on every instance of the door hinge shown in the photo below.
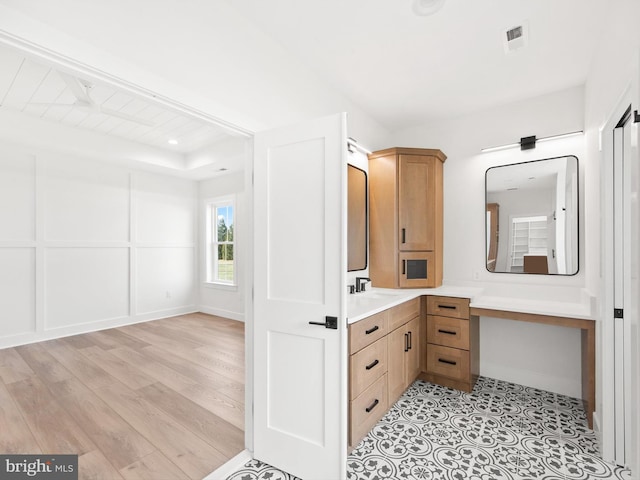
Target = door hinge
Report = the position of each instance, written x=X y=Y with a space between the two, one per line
x=636 y=117
x=618 y=313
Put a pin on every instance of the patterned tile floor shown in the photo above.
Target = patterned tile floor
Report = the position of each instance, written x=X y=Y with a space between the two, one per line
x=500 y=431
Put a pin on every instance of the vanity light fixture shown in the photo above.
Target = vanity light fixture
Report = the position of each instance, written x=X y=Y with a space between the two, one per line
x=172 y=141
x=530 y=142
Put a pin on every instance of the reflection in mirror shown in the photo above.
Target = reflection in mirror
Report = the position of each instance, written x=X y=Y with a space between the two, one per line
x=356 y=219
x=532 y=217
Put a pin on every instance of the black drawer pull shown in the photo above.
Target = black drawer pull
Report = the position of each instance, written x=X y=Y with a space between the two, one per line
x=372 y=364
x=450 y=307
x=404 y=236
x=404 y=267
x=448 y=332
x=406 y=342
x=372 y=406
x=410 y=342
x=448 y=362
x=371 y=330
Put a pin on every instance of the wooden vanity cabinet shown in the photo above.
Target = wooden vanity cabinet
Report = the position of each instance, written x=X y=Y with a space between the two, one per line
x=453 y=347
x=404 y=360
x=405 y=205
x=384 y=360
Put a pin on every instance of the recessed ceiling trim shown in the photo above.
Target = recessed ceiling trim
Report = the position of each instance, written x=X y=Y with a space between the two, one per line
x=84 y=70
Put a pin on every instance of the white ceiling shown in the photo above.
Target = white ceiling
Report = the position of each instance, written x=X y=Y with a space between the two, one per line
x=31 y=87
x=406 y=70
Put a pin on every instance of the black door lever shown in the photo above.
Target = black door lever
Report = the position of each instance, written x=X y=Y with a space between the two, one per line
x=330 y=322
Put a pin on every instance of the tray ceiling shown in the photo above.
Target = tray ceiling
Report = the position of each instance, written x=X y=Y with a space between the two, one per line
x=39 y=90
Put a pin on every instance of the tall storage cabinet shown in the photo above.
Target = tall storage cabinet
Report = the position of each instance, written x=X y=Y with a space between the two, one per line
x=405 y=215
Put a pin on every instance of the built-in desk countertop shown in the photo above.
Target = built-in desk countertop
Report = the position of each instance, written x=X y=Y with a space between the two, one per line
x=563 y=314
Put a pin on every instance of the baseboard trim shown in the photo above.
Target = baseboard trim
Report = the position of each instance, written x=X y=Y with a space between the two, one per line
x=77 y=329
x=221 y=313
x=232 y=466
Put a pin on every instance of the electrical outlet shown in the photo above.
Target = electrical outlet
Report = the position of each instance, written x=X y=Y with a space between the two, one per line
x=476 y=274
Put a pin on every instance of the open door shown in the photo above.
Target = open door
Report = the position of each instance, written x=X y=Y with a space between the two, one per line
x=300 y=331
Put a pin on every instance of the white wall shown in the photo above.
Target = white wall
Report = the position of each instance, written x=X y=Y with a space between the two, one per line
x=224 y=300
x=86 y=245
x=541 y=356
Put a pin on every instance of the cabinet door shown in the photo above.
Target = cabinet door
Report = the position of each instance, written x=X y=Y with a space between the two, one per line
x=416 y=270
x=412 y=357
x=396 y=373
x=416 y=203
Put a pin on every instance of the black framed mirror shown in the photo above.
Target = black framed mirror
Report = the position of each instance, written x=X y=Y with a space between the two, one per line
x=531 y=211
x=357 y=233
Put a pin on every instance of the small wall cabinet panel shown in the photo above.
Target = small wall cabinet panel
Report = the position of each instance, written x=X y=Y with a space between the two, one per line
x=405 y=204
x=417 y=270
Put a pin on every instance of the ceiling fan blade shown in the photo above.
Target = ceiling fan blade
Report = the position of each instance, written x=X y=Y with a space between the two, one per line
x=125 y=116
x=79 y=90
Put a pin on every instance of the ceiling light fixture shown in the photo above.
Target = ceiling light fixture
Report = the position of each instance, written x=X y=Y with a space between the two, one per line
x=172 y=141
x=426 y=7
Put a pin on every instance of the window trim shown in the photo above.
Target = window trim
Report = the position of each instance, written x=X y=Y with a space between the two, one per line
x=211 y=243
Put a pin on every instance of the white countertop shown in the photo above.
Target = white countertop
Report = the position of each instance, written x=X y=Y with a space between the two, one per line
x=374 y=300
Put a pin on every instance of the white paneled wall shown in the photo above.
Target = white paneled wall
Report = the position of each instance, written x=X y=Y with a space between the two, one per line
x=86 y=245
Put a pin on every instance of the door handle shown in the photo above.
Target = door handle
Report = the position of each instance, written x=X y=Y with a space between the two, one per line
x=372 y=406
x=448 y=332
x=410 y=342
x=372 y=364
x=406 y=342
x=448 y=362
x=330 y=322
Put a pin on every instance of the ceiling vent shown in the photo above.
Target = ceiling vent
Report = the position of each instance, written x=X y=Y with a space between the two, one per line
x=516 y=38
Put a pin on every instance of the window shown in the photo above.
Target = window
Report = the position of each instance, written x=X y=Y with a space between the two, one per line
x=221 y=265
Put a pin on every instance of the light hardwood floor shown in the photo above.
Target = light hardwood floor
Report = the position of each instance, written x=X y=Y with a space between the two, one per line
x=157 y=400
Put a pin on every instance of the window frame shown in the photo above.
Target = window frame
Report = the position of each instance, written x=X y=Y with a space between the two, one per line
x=211 y=241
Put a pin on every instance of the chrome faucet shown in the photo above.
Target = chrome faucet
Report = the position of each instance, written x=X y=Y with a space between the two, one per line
x=360 y=282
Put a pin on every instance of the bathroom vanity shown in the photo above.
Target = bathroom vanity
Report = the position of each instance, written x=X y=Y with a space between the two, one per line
x=397 y=336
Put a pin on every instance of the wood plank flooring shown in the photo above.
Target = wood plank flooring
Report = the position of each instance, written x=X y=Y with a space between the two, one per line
x=156 y=400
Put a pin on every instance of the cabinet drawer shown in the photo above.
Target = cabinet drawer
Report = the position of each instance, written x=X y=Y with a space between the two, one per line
x=448 y=362
x=447 y=331
x=448 y=307
x=367 y=409
x=401 y=314
x=367 y=331
x=366 y=366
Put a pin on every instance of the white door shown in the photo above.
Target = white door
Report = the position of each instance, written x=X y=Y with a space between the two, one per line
x=620 y=316
x=300 y=374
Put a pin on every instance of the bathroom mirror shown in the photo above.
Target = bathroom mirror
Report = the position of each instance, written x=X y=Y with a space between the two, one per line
x=356 y=219
x=532 y=217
